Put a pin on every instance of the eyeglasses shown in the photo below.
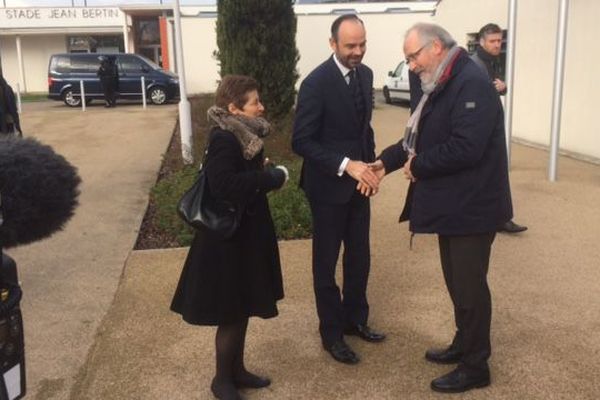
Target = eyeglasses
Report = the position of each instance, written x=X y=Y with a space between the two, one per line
x=413 y=56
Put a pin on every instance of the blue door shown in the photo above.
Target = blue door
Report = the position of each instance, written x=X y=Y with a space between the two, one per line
x=131 y=70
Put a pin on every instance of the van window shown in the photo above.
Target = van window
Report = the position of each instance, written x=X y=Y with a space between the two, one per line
x=131 y=64
x=60 y=64
x=84 y=64
x=398 y=71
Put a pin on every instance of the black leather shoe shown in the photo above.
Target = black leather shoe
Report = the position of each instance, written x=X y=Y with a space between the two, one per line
x=341 y=352
x=449 y=355
x=459 y=380
x=511 y=227
x=365 y=333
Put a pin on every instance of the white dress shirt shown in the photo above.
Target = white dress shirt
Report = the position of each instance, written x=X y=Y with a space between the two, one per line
x=346 y=74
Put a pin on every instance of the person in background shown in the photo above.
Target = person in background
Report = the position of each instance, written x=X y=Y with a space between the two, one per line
x=224 y=282
x=109 y=79
x=487 y=57
x=10 y=123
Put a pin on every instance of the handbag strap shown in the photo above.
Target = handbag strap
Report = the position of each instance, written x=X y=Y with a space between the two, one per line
x=205 y=151
x=205 y=155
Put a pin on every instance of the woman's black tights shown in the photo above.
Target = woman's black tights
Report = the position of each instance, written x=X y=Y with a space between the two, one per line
x=231 y=372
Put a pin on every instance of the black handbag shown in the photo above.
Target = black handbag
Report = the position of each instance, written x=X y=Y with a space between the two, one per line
x=199 y=209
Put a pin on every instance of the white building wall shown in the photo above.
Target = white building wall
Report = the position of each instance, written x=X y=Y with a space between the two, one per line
x=385 y=34
x=580 y=127
x=199 y=41
x=534 y=65
x=36 y=50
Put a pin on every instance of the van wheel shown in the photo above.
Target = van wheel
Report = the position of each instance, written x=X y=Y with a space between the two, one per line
x=70 y=99
x=386 y=95
x=158 y=95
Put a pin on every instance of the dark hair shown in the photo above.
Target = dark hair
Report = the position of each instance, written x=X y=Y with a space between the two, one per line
x=234 y=89
x=335 y=27
x=488 y=29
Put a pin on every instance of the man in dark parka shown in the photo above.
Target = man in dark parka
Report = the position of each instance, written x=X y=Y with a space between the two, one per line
x=487 y=56
x=455 y=156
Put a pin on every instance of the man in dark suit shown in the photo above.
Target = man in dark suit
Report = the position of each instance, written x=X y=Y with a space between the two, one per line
x=332 y=132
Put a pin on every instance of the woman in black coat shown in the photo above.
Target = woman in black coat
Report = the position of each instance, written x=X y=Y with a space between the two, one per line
x=226 y=281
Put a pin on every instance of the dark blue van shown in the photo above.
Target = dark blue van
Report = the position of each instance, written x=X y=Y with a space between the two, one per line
x=65 y=71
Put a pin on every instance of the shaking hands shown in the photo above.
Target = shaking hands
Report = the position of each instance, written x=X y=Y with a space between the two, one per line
x=369 y=176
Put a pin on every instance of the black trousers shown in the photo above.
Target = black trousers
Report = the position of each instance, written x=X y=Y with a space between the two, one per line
x=465 y=262
x=334 y=224
x=110 y=93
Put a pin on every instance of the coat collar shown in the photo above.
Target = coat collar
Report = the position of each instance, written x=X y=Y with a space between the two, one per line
x=453 y=69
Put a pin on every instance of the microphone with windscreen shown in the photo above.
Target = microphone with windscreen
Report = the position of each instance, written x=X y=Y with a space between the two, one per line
x=38 y=195
x=38 y=191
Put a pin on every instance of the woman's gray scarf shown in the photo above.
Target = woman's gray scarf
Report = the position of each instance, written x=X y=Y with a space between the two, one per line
x=248 y=131
x=411 y=132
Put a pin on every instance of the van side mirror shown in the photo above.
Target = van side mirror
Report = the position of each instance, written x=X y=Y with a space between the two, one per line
x=390 y=73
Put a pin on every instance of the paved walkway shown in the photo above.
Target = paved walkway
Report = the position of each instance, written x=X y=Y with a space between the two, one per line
x=69 y=280
x=544 y=283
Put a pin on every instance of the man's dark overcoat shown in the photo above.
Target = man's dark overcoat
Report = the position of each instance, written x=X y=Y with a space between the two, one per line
x=462 y=183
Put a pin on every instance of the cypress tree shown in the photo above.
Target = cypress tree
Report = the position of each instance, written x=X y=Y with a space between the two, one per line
x=258 y=38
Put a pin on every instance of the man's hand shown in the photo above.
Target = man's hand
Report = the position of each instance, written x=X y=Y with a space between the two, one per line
x=406 y=169
x=378 y=168
x=499 y=85
x=364 y=175
x=365 y=190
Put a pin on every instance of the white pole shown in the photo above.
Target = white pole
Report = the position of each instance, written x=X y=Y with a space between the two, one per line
x=510 y=72
x=82 y=91
x=559 y=69
x=185 y=110
x=21 y=64
x=19 y=98
x=125 y=33
x=144 y=92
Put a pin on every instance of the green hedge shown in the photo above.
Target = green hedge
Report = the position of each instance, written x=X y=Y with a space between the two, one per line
x=165 y=195
x=289 y=208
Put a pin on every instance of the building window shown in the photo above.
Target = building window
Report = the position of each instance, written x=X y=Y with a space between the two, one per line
x=95 y=44
x=147 y=31
x=147 y=38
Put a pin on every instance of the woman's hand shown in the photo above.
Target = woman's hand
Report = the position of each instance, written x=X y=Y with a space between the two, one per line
x=278 y=176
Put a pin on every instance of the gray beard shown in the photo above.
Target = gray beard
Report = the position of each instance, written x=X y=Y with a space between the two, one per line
x=429 y=84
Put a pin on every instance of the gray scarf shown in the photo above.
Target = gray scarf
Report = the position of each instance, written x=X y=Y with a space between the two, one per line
x=248 y=131
x=411 y=132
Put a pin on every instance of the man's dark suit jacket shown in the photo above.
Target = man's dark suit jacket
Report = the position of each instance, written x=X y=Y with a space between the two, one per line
x=326 y=130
